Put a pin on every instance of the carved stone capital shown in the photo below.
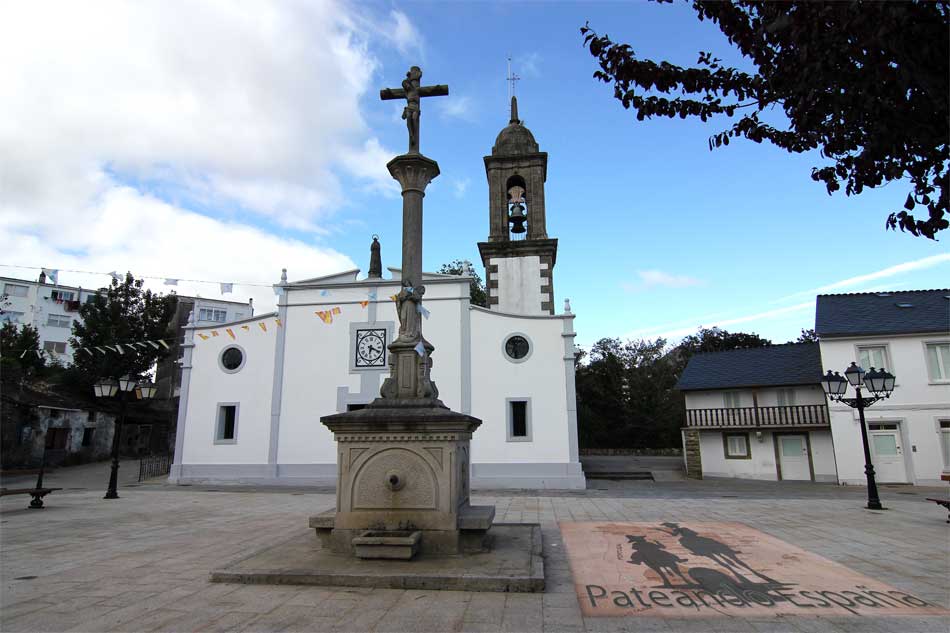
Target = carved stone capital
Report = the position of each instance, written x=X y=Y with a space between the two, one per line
x=413 y=171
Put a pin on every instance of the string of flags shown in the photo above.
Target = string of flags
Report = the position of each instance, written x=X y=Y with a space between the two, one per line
x=52 y=275
x=119 y=348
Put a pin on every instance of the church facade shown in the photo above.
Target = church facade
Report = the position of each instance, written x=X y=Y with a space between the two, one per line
x=253 y=390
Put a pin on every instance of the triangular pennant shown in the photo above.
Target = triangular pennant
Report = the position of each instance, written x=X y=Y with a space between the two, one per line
x=336 y=310
x=118 y=348
x=214 y=332
x=142 y=344
x=230 y=332
x=363 y=304
x=246 y=328
x=171 y=281
x=420 y=349
x=372 y=295
x=325 y=315
x=164 y=344
x=39 y=354
x=421 y=310
x=99 y=349
x=226 y=288
x=24 y=353
x=277 y=321
x=263 y=326
x=324 y=293
x=153 y=344
x=203 y=336
x=278 y=290
x=394 y=297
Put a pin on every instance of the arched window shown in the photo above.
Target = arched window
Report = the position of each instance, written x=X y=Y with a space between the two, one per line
x=517 y=206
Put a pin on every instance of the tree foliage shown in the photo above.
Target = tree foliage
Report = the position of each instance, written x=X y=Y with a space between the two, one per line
x=626 y=394
x=122 y=313
x=478 y=294
x=866 y=83
x=807 y=336
x=18 y=352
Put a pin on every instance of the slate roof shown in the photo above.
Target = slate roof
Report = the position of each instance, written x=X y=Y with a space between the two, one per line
x=883 y=313
x=778 y=365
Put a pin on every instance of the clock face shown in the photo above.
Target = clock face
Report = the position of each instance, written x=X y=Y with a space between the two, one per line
x=370 y=348
x=517 y=347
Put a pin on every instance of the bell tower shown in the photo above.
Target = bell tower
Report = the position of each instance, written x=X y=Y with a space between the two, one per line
x=519 y=256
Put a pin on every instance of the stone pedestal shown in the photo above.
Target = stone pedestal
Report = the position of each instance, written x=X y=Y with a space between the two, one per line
x=404 y=467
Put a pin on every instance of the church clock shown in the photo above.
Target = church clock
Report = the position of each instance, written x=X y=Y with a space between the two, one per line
x=371 y=348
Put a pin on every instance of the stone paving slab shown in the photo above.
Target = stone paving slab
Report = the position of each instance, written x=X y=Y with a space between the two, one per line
x=514 y=564
x=141 y=562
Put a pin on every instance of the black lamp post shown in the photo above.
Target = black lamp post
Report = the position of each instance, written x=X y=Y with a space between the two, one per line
x=880 y=383
x=107 y=388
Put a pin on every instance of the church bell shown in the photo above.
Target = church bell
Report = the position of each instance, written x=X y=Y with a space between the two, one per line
x=517 y=218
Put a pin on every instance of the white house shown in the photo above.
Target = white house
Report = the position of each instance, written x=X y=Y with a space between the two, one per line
x=253 y=391
x=758 y=414
x=52 y=308
x=908 y=333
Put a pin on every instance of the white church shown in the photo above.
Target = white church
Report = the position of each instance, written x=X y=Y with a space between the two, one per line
x=253 y=390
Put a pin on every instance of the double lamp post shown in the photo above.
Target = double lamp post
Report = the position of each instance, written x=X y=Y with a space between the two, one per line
x=107 y=388
x=880 y=383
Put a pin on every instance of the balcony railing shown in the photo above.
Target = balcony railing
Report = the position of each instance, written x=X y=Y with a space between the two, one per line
x=798 y=415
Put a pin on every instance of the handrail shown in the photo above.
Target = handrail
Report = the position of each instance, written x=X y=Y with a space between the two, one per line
x=760 y=417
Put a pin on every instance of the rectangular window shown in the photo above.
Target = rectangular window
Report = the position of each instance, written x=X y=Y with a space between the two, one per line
x=786 y=397
x=15 y=290
x=11 y=317
x=53 y=346
x=873 y=356
x=62 y=295
x=945 y=442
x=91 y=298
x=355 y=407
x=732 y=399
x=938 y=361
x=736 y=445
x=226 y=431
x=212 y=314
x=87 y=436
x=519 y=420
x=58 y=320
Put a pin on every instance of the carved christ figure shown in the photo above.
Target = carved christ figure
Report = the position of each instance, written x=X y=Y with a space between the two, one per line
x=407 y=302
x=412 y=110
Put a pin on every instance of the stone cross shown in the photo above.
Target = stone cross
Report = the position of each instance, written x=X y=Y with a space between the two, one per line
x=412 y=92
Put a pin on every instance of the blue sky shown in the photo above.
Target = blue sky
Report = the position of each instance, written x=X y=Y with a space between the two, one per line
x=252 y=142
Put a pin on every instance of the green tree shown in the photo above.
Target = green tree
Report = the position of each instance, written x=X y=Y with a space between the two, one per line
x=478 y=294
x=121 y=313
x=865 y=83
x=18 y=352
x=807 y=336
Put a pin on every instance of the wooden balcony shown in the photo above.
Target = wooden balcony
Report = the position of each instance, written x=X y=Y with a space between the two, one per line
x=759 y=417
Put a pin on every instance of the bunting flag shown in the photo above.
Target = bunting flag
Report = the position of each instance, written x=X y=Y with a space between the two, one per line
x=52 y=274
x=420 y=349
x=99 y=349
x=203 y=336
x=336 y=310
x=372 y=295
x=143 y=344
x=163 y=344
x=394 y=297
x=24 y=353
x=278 y=290
x=263 y=326
x=115 y=275
x=153 y=344
x=169 y=281
x=364 y=303
x=246 y=328
x=230 y=332
x=277 y=321
x=421 y=310
x=324 y=293
x=214 y=332
x=226 y=288
x=325 y=315
x=83 y=349
x=39 y=354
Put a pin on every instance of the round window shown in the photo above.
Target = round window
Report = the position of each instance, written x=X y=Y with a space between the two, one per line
x=232 y=358
x=517 y=347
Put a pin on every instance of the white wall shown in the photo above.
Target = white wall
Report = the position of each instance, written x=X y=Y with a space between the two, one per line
x=766 y=396
x=916 y=405
x=762 y=463
x=251 y=387
x=519 y=284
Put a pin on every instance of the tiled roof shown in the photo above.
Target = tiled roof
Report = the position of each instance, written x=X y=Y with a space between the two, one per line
x=882 y=313
x=789 y=364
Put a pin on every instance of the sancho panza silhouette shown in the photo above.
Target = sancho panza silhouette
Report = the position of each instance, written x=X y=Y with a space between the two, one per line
x=654 y=555
x=717 y=551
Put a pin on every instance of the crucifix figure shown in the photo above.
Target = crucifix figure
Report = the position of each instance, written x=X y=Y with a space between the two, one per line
x=412 y=92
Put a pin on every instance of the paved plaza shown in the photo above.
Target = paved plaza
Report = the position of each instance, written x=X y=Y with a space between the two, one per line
x=141 y=563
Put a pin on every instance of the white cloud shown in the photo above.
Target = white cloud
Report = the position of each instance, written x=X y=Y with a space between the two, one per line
x=460 y=186
x=119 y=120
x=527 y=64
x=658 y=278
x=861 y=280
x=676 y=333
x=458 y=107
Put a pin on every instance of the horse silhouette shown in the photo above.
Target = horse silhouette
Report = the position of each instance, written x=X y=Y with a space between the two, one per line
x=654 y=555
x=717 y=551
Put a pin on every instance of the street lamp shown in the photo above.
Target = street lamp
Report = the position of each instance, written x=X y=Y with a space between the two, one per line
x=107 y=388
x=880 y=383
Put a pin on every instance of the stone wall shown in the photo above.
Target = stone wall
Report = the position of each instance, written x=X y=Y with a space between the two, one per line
x=26 y=428
x=694 y=460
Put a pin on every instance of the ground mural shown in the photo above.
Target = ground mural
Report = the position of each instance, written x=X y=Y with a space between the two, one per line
x=682 y=569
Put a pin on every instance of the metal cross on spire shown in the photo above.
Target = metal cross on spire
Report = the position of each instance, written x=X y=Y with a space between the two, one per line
x=511 y=79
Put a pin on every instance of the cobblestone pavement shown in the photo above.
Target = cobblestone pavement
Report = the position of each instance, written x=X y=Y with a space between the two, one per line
x=141 y=563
